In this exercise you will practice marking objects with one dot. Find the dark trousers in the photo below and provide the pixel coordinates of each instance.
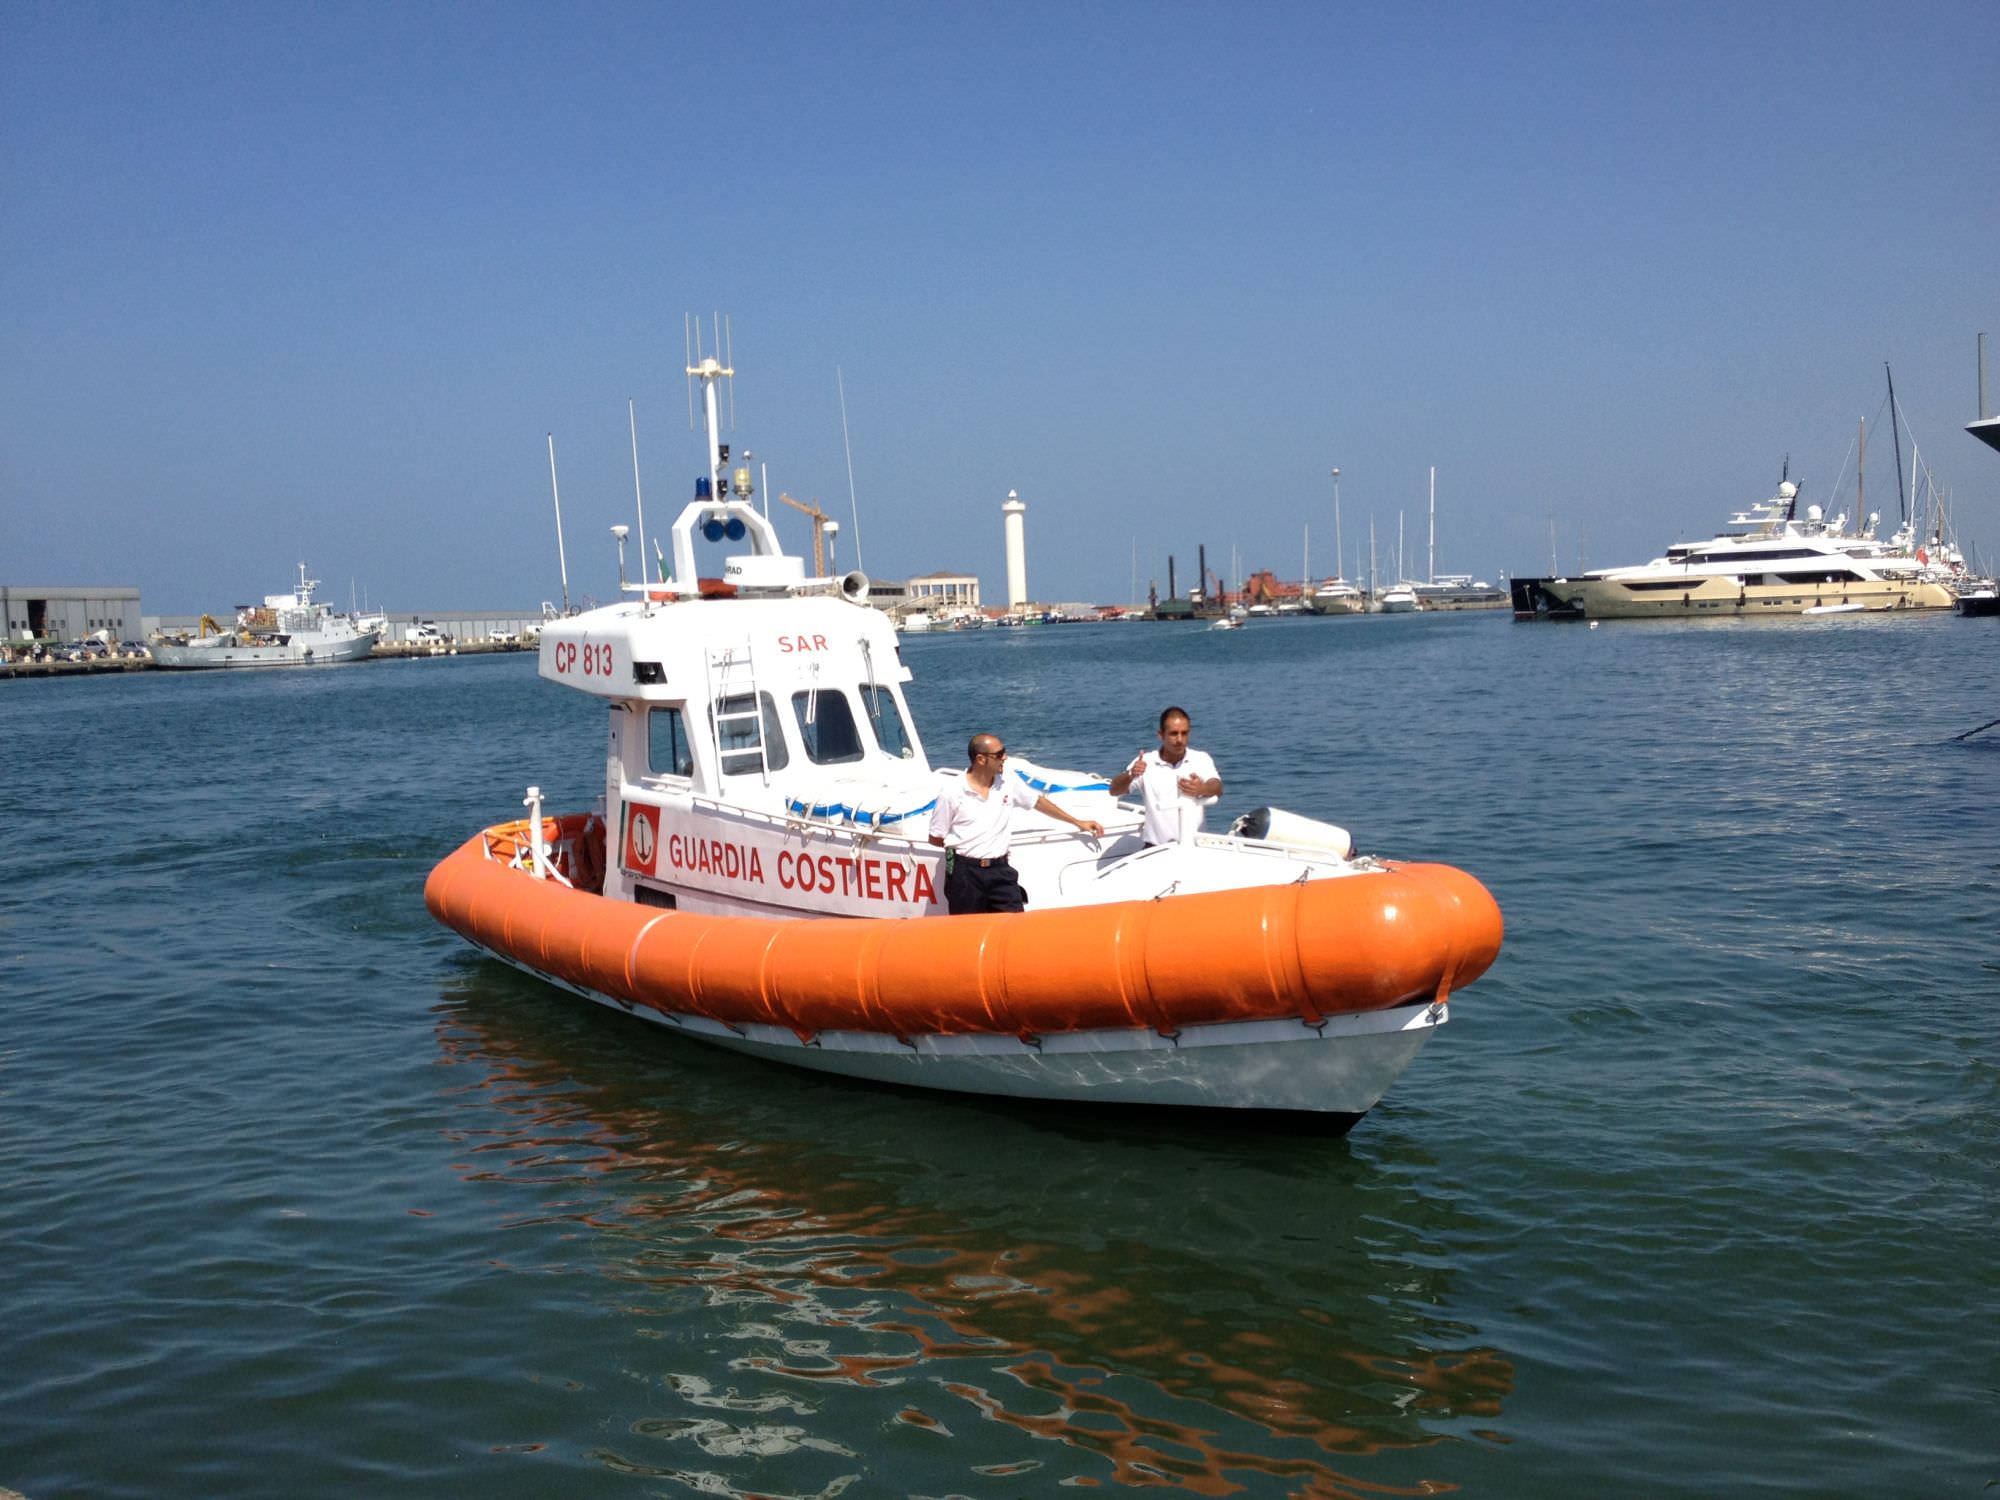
(971, 887)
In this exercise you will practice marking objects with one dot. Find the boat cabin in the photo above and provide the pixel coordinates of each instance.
(758, 730)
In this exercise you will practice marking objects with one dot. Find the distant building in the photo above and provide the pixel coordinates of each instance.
(1265, 587)
(937, 591)
(69, 612)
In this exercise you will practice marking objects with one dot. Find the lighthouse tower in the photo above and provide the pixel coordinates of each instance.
(1016, 510)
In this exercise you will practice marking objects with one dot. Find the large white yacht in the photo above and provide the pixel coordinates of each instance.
(1769, 562)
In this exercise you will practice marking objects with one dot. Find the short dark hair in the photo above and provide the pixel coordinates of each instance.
(1174, 713)
(972, 750)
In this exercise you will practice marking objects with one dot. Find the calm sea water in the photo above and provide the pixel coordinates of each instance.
(1695, 1196)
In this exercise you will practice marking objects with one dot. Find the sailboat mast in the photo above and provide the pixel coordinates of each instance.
(1861, 481)
(1337, 562)
(1896, 436)
(1431, 564)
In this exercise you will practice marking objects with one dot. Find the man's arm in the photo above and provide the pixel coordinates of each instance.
(1122, 782)
(1088, 825)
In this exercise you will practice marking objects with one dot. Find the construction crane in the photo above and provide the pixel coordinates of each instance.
(820, 522)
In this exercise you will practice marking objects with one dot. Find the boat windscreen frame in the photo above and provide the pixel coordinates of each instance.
(739, 757)
(882, 692)
(827, 722)
(682, 764)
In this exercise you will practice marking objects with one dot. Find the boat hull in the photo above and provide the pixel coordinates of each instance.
(1312, 996)
(1338, 1071)
(318, 654)
(1713, 597)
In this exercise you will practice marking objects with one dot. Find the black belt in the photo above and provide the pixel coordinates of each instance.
(979, 864)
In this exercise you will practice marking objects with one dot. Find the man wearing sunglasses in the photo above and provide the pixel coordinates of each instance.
(972, 822)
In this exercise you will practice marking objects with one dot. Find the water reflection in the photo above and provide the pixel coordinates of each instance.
(821, 1280)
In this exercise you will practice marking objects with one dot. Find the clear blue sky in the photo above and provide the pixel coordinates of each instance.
(284, 282)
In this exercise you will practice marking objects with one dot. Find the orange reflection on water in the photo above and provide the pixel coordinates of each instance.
(1145, 1450)
(1173, 1364)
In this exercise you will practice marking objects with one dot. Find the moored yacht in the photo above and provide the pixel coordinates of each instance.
(1771, 562)
(1398, 599)
(1337, 596)
(287, 630)
(1458, 591)
(1980, 598)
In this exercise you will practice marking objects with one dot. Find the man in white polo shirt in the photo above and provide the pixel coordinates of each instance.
(973, 820)
(1173, 779)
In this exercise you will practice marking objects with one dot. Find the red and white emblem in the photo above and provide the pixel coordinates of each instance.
(642, 837)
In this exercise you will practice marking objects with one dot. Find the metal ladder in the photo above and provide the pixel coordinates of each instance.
(732, 673)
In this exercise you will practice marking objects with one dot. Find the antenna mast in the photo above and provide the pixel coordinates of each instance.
(853, 505)
(562, 561)
(688, 339)
(710, 370)
(725, 340)
(632, 415)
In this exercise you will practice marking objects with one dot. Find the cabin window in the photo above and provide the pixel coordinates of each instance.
(736, 720)
(667, 752)
(826, 725)
(886, 719)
